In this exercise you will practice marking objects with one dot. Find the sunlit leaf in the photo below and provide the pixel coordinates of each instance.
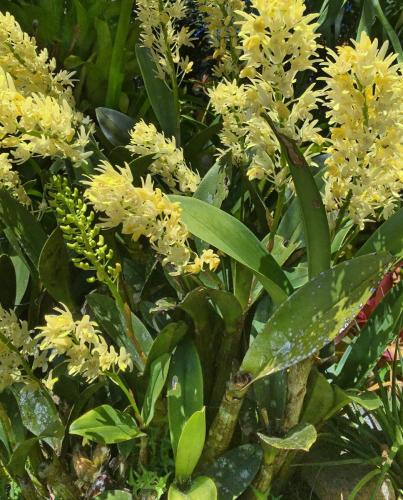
(314, 315)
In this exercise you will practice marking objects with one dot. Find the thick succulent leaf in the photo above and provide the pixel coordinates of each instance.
(291, 224)
(301, 437)
(39, 414)
(379, 331)
(202, 488)
(24, 231)
(114, 125)
(190, 445)
(316, 227)
(166, 341)
(7, 291)
(185, 388)
(54, 270)
(160, 96)
(105, 425)
(156, 381)
(235, 470)
(387, 238)
(314, 315)
(229, 235)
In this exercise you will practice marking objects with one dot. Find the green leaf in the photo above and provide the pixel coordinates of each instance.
(368, 400)
(213, 188)
(387, 238)
(314, 315)
(112, 322)
(320, 399)
(39, 413)
(229, 235)
(393, 37)
(379, 331)
(166, 341)
(190, 445)
(115, 125)
(8, 289)
(25, 232)
(316, 227)
(185, 388)
(196, 144)
(54, 270)
(156, 381)
(22, 278)
(160, 96)
(235, 470)
(202, 488)
(301, 437)
(367, 19)
(115, 495)
(20, 455)
(291, 224)
(105, 425)
(139, 167)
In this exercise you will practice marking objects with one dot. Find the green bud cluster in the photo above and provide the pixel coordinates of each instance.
(81, 233)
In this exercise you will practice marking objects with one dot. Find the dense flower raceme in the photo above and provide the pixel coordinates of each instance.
(168, 162)
(163, 36)
(32, 70)
(364, 95)
(145, 211)
(16, 345)
(277, 42)
(37, 116)
(86, 350)
(220, 16)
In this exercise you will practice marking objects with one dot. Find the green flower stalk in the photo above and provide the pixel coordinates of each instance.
(83, 235)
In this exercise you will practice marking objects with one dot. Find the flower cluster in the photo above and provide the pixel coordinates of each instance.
(37, 116)
(168, 162)
(81, 234)
(32, 71)
(87, 352)
(277, 41)
(16, 345)
(144, 211)
(220, 16)
(364, 94)
(162, 35)
(10, 180)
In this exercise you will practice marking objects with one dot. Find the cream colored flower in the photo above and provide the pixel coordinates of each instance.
(277, 41)
(168, 162)
(87, 352)
(32, 70)
(161, 34)
(141, 211)
(364, 92)
(220, 17)
(16, 345)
